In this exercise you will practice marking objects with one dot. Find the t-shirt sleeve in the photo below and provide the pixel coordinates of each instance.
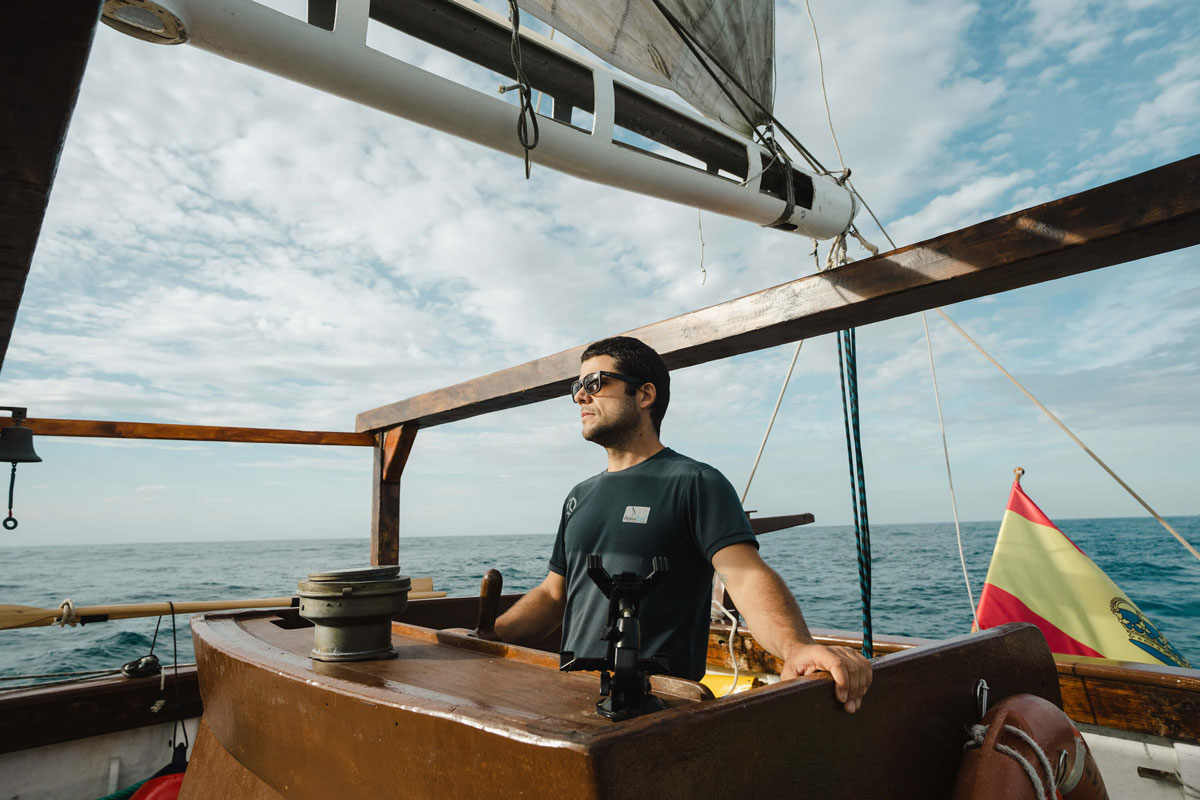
(558, 554)
(718, 519)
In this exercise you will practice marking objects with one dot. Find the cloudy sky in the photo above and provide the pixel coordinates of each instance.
(225, 247)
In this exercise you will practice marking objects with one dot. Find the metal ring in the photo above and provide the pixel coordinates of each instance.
(10, 523)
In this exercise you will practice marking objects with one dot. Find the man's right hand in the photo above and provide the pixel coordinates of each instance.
(851, 671)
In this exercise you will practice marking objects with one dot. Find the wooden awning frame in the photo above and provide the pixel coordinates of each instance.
(1144, 215)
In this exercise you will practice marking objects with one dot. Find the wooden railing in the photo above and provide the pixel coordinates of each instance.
(106, 429)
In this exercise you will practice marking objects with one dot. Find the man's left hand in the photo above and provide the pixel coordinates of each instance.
(851, 671)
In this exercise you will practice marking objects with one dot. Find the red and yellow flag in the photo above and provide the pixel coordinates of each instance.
(1038, 575)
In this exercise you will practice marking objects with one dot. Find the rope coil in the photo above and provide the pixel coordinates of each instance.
(979, 732)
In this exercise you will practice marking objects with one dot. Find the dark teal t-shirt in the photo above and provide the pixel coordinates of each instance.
(668, 505)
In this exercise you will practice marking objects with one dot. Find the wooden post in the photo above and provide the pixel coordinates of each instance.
(391, 454)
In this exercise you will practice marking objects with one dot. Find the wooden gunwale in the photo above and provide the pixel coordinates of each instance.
(1122, 695)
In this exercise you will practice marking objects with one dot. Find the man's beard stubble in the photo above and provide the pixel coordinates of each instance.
(615, 431)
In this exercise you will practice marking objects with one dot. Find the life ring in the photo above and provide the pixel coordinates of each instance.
(162, 788)
(1025, 745)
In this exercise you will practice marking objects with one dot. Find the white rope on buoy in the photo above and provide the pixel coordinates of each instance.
(67, 614)
(979, 733)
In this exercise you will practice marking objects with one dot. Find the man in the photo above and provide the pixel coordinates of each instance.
(652, 501)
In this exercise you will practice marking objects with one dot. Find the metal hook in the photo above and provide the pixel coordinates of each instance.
(981, 696)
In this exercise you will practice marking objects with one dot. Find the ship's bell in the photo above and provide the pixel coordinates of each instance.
(16, 445)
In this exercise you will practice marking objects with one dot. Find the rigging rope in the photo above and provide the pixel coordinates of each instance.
(937, 396)
(733, 625)
(1069, 433)
(527, 118)
(824, 94)
(848, 378)
(1170, 529)
(771, 422)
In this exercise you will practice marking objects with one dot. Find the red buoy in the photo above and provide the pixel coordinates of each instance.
(1004, 762)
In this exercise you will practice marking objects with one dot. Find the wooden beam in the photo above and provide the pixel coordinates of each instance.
(396, 447)
(761, 525)
(43, 51)
(1147, 214)
(106, 429)
(385, 514)
(391, 456)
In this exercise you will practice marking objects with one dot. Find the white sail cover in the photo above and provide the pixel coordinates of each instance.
(637, 37)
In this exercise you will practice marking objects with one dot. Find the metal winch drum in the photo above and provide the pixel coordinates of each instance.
(352, 611)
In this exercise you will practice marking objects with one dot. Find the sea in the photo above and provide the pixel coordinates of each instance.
(917, 581)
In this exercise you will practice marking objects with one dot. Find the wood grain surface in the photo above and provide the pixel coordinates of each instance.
(108, 429)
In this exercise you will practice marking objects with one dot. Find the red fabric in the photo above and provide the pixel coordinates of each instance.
(997, 607)
(1020, 503)
(164, 788)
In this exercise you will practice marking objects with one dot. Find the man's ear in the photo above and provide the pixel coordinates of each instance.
(647, 394)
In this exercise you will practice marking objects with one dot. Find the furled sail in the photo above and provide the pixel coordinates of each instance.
(727, 72)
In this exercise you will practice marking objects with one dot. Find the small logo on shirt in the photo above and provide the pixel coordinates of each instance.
(637, 514)
(571, 507)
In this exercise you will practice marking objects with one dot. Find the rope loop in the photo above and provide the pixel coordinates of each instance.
(527, 125)
(10, 522)
(978, 733)
(67, 615)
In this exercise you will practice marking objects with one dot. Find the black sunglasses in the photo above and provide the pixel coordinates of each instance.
(592, 383)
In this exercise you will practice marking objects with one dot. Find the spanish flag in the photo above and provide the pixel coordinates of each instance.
(1038, 575)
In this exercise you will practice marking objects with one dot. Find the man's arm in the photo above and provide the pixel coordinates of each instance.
(536, 615)
(775, 620)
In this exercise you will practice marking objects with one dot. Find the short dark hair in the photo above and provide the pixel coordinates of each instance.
(635, 357)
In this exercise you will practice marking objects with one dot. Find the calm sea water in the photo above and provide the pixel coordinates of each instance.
(917, 577)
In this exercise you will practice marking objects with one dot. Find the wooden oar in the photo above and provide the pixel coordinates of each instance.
(13, 616)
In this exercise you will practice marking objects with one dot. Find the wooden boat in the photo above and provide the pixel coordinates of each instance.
(457, 716)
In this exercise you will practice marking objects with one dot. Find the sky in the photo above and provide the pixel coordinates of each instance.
(226, 247)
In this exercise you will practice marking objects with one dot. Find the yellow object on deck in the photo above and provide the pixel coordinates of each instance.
(719, 683)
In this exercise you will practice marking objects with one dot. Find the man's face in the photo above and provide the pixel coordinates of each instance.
(610, 415)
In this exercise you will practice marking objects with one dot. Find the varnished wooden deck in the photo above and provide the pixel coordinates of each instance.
(452, 717)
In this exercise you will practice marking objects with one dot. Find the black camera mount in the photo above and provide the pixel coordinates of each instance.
(627, 692)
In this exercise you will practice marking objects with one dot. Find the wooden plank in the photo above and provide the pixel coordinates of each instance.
(1147, 214)
(761, 525)
(43, 52)
(51, 714)
(385, 511)
(397, 446)
(105, 429)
